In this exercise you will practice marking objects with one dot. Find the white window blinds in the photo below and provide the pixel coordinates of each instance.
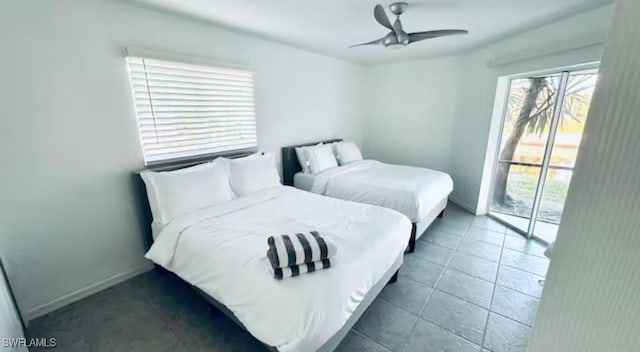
(187, 110)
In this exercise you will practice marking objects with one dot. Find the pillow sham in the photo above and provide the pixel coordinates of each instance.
(175, 193)
(347, 152)
(226, 161)
(302, 159)
(249, 175)
(320, 158)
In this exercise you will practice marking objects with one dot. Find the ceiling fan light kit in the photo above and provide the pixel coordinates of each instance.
(397, 37)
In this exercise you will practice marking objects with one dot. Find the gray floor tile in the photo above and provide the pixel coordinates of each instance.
(427, 337)
(421, 270)
(455, 210)
(433, 252)
(467, 287)
(408, 294)
(452, 224)
(506, 335)
(526, 262)
(484, 222)
(474, 266)
(386, 324)
(441, 238)
(458, 216)
(513, 233)
(520, 281)
(356, 342)
(480, 249)
(463, 318)
(493, 237)
(524, 245)
(515, 305)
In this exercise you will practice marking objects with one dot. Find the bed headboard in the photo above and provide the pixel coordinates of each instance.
(290, 164)
(140, 191)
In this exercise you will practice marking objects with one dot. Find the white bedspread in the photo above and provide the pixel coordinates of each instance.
(413, 191)
(303, 181)
(221, 250)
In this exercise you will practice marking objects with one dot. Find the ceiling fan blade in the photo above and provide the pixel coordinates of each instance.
(373, 42)
(418, 36)
(381, 16)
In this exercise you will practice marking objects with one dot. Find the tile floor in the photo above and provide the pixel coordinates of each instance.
(471, 285)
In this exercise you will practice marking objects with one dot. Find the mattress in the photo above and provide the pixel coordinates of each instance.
(412, 191)
(221, 250)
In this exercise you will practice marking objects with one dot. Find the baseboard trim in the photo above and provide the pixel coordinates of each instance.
(462, 205)
(84, 292)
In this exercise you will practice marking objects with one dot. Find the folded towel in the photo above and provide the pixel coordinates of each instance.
(296, 270)
(285, 251)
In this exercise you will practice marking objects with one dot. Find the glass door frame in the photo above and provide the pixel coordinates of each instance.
(546, 161)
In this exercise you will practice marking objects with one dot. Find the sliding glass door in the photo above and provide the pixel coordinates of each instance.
(543, 125)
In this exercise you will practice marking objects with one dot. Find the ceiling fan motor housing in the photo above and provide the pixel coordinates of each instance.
(397, 8)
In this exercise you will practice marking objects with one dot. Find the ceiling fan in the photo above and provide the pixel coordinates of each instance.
(398, 37)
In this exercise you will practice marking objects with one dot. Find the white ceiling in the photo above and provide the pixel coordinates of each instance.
(330, 26)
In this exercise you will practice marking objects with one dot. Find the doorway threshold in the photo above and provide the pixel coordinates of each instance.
(545, 232)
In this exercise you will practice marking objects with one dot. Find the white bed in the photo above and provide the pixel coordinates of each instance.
(221, 251)
(412, 191)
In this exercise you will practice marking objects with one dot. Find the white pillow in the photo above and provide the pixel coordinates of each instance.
(347, 152)
(320, 158)
(302, 159)
(226, 161)
(175, 193)
(249, 175)
(149, 178)
(335, 144)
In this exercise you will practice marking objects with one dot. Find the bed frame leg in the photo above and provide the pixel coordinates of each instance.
(412, 244)
(412, 240)
(441, 214)
(394, 278)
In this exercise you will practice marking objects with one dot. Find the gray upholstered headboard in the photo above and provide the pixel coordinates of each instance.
(290, 164)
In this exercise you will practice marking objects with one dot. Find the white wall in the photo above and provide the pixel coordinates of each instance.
(410, 111)
(68, 132)
(590, 301)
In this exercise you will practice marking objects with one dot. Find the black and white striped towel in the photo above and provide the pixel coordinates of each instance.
(296, 270)
(301, 248)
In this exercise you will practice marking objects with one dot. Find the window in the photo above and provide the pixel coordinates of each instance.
(543, 123)
(186, 110)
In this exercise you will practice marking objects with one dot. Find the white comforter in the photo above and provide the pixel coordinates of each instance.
(221, 250)
(413, 191)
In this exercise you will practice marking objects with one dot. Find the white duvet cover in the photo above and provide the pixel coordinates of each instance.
(413, 191)
(222, 251)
